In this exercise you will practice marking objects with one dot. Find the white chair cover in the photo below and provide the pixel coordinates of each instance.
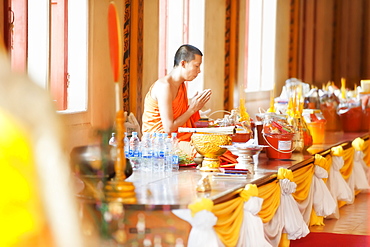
(251, 230)
(323, 201)
(337, 186)
(287, 219)
(274, 228)
(294, 224)
(202, 232)
(305, 207)
(358, 179)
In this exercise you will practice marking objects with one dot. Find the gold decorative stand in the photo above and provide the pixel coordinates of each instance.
(119, 190)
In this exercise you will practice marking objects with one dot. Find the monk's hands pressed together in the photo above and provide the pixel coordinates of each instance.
(200, 99)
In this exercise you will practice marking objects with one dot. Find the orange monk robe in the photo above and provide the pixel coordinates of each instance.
(152, 121)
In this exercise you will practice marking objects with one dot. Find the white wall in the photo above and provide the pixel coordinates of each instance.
(214, 49)
(100, 114)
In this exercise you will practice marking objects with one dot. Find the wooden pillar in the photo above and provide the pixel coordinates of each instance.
(136, 58)
(133, 57)
(231, 51)
(126, 57)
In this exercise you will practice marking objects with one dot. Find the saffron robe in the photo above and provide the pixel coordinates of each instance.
(152, 121)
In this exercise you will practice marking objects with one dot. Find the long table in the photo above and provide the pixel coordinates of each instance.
(159, 193)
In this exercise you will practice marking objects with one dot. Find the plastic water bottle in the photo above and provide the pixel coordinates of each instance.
(154, 152)
(134, 152)
(175, 151)
(160, 152)
(146, 149)
(126, 147)
(168, 152)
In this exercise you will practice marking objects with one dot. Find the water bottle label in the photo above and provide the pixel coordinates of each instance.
(175, 159)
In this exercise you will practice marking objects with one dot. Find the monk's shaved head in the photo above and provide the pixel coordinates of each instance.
(186, 53)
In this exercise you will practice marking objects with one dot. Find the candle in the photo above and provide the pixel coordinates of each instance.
(272, 100)
(343, 87)
(115, 45)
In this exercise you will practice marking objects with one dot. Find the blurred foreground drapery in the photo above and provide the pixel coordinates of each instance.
(37, 203)
(313, 199)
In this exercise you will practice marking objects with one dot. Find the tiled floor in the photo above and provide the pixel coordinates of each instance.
(354, 218)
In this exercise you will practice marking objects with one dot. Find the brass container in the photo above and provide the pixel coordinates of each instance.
(208, 145)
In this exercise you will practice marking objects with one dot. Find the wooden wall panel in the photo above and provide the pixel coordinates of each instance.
(365, 69)
(323, 43)
(306, 71)
(353, 31)
(294, 38)
(333, 41)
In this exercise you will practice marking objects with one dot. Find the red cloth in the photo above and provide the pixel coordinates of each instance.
(152, 121)
(228, 158)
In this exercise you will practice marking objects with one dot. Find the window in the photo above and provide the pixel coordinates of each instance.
(260, 51)
(56, 48)
(181, 22)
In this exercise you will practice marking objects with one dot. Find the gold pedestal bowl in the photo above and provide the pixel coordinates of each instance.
(209, 145)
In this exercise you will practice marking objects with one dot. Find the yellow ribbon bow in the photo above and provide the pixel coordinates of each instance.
(337, 151)
(358, 144)
(249, 190)
(201, 204)
(321, 161)
(285, 173)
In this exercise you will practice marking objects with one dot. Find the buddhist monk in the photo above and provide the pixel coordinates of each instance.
(166, 105)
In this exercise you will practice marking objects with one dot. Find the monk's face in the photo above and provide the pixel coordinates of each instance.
(192, 69)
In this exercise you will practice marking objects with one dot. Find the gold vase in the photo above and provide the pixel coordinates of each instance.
(209, 145)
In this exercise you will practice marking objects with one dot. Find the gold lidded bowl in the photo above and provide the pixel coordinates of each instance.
(209, 145)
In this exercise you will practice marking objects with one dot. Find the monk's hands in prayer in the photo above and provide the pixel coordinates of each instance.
(200, 99)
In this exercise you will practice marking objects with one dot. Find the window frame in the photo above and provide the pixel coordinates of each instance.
(44, 53)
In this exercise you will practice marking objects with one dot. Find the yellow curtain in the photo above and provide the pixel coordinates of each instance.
(347, 155)
(367, 152)
(303, 179)
(230, 216)
(271, 200)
